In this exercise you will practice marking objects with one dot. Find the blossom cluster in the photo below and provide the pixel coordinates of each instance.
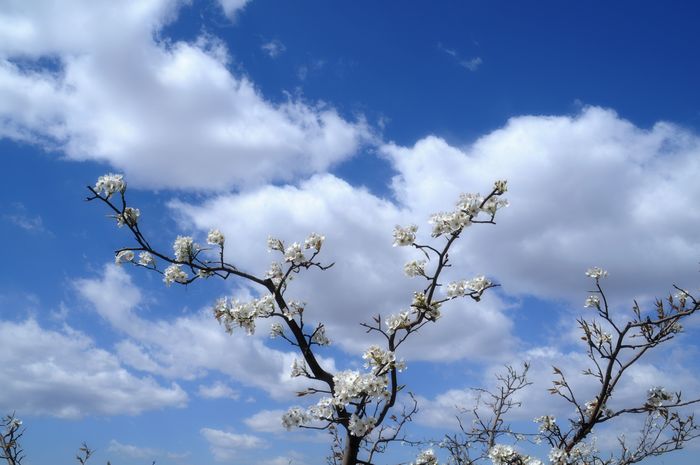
(215, 237)
(405, 236)
(360, 426)
(426, 457)
(596, 273)
(464, 287)
(351, 384)
(295, 252)
(174, 274)
(505, 455)
(130, 217)
(414, 268)
(184, 248)
(547, 423)
(420, 304)
(397, 321)
(109, 184)
(233, 313)
(381, 361)
(657, 396)
(319, 336)
(124, 256)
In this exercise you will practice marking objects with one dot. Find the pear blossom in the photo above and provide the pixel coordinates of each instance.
(109, 184)
(592, 301)
(494, 204)
(350, 384)
(275, 273)
(426, 457)
(500, 186)
(274, 244)
(596, 273)
(558, 456)
(294, 417)
(361, 426)
(293, 254)
(130, 217)
(502, 455)
(470, 203)
(319, 336)
(314, 241)
(124, 256)
(657, 396)
(174, 274)
(276, 330)
(204, 274)
(243, 314)
(464, 287)
(546, 422)
(414, 268)
(146, 259)
(448, 223)
(381, 361)
(215, 237)
(397, 321)
(184, 248)
(298, 369)
(323, 410)
(405, 236)
(420, 303)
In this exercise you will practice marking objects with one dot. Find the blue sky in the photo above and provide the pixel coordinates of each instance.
(284, 118)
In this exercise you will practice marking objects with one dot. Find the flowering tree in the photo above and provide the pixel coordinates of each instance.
(10, 433)
(359, 404)
(612, 347)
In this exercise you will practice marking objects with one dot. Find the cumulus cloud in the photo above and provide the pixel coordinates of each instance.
(189, 346)
(116, 92)
(266, 421)
(367, 277)
(218, 390)
(590, 189)
(273, 48)
(232, 7)
(62, 373)
(226, 446)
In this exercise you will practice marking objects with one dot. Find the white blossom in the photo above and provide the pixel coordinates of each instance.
(448, 223)
(464, 287)
(298, 368)
(319, 336)
(294, 417)
(656, 396)
(558, 456)
(492, 205)
(361, 426)
(405, 236)
(274, 244)
(592, 301)
(109, 184)
(470, 203)
(243, 314)
(323, 410)
(381, 361)
(184, 248)
(130, 217)
(314, 241)
(215, 237)
(174, 274)
(394, 322)
(275, 273)
(146, 259)
(414, 268)
(546, 422)
(124, 256)
(596, 273)
(420, 303)
(500, 186)
(350, 384)
(276, 330)
(426, 457)
(293, 254)
(502, 455)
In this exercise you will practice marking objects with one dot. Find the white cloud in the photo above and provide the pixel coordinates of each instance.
(188, 346)
(62, 373)
(367, 278)
(149, 106)
(273, 48)
(218, 390)
(471, 64)
(266, 421)
(592, 189)
(129, 450)
(232, 7)
(225, 446)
